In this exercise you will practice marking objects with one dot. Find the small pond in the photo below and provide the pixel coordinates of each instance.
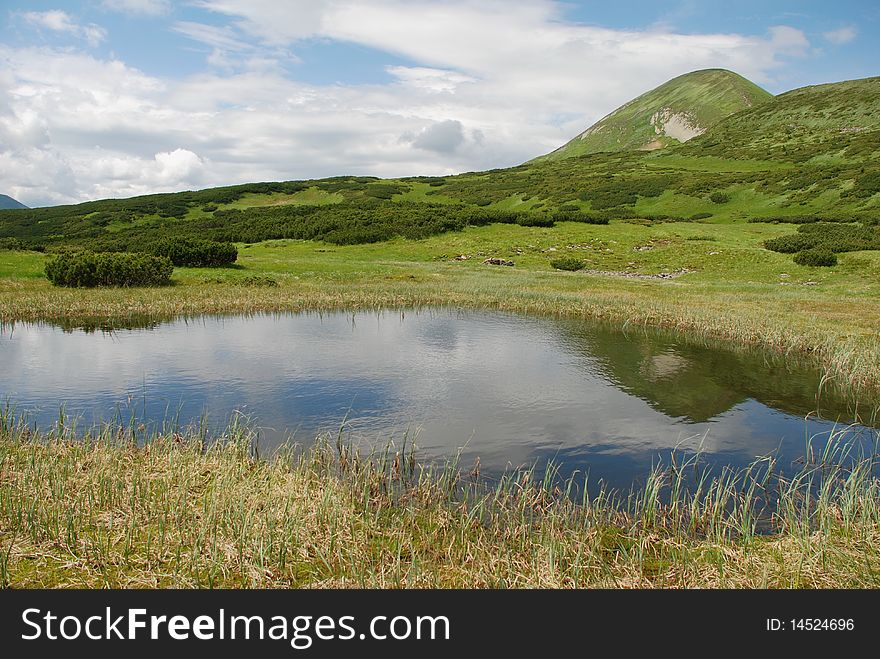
(513, 390)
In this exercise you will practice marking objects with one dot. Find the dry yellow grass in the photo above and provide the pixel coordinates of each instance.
(176, 512)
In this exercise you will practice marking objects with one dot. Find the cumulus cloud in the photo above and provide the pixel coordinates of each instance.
(463, 98)
(143, 7)
(841, 36)
(60, 21)
(442, 137)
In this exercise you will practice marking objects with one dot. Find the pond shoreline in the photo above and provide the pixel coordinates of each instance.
(848, 354)
(176, 512)
(505, 388)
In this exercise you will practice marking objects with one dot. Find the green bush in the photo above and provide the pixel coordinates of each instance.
(569, 263)
(88, 269)
(832, 237)
(719, 197)
(385, 190)
(866, 185)
(579, 216)
(13, 244)
(257, 280)
(789, 244)
(194, 253)
(816, 257)
(535, 220)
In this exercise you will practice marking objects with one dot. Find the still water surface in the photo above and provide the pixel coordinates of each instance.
(513, 390)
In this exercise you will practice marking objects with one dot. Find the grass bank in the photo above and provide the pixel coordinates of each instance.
(115, 508)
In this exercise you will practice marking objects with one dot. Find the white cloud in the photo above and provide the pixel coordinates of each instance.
(487, 84)
(841, 36)
(275, 22)
(223, 38)
(60, 21)
(435, 80)
(789, 40)
(142, 7)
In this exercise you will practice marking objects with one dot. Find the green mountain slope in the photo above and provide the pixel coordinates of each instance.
(674, 112)
(812, 152)
(7, 202)
(837, 122)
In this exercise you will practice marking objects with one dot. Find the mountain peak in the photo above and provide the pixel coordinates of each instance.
(7, 202)
(674, 112)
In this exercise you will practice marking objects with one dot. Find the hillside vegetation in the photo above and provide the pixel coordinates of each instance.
(674, 112)
(808, 153)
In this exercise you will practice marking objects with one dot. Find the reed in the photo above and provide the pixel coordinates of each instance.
(119, 506)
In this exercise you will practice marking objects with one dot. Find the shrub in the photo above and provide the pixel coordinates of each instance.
(384, 190)
(866, 185)
(789, 244)
(257, 280)
(194, 253)
(569, 263)
(87, 269)
(700, 216)
(13, 244)
(579, 216)
(816, 257)
(832, 237)
(535, 220)
(719, 197)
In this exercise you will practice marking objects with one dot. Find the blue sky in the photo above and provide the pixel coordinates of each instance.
(106, 98)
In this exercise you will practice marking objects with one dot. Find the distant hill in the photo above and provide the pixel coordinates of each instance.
(829, 124)
(7, 202)
(674, 112)
(807, 154)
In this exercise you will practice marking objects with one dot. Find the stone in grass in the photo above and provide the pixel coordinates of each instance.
(496, 261)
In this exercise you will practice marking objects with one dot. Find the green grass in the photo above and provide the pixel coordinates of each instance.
(114, 507)
(311, 197)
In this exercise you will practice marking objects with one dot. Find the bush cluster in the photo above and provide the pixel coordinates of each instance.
(832, 237)
(12, 244)
(88, 269)
(193, 253)
(580, 216)
(816, 257)
(569, 263)
(866, 185)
